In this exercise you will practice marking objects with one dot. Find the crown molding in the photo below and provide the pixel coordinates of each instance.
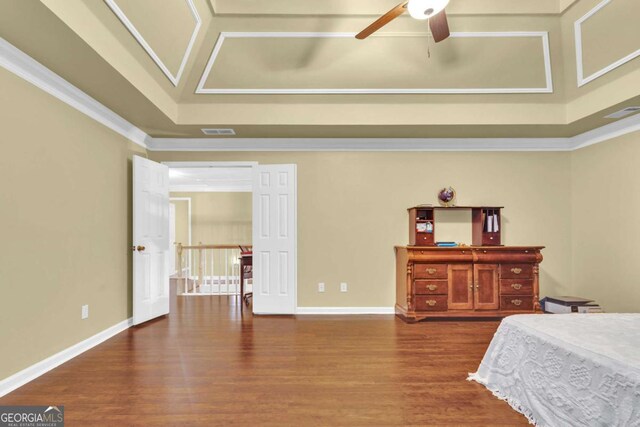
(605, 133)
(22, 65)
(174, 79)
(359, 144)
(595, 136)
(582, 80)
(544, 37)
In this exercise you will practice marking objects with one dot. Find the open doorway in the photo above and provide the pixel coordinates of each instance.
(273, 237)
(212, 225)
(255, 229)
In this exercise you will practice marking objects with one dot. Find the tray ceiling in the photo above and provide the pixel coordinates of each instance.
(286, 68)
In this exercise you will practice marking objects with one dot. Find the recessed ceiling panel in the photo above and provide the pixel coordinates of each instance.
(166, 30)
(338, 63)
(610, 34)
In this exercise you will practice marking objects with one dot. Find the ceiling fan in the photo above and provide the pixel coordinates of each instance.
(433, 10)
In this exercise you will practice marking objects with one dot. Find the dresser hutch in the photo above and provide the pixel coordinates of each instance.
(478, 281)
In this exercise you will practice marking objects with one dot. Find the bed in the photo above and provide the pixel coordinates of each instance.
(567, 369)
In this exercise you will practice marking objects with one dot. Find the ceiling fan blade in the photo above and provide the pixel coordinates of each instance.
(383, 20)
(439, 26)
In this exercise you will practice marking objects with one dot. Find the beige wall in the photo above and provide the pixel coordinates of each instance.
(182, 226)
(606, 230)
(352, 211)
(65, 210)
(218, 218)
(182, 221)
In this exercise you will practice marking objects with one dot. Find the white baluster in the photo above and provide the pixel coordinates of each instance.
(211, 258)
(200, 269)
(226, 271)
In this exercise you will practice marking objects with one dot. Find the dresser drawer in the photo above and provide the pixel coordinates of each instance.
(431, 287)
(430, 271)
(516, 287)
(431, 303)
(516, 271)
(424, 239)
(514, 302)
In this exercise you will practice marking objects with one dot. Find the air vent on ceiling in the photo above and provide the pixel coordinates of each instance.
(623, 113)
(219, 132)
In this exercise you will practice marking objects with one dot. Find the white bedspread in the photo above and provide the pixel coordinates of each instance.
(567, 369)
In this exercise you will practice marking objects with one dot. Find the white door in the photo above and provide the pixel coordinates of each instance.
(150, 240)
(274, 239)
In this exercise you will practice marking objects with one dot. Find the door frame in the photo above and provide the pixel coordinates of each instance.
(243, 164)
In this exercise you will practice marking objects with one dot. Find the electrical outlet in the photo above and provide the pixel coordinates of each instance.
(85, 311)
(320, 287)
(343, 287)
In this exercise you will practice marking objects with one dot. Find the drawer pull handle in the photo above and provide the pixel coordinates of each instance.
(516, 286)
(517, 302)
(516, 270)
(430, 302)
(431, 270)
(432, 287)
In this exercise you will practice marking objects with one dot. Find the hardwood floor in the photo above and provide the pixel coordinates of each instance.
(207, 365)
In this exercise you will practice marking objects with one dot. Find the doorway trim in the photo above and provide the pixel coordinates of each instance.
(210, 164)
(242, 164)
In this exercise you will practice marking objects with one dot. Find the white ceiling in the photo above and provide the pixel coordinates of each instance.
(210, 179)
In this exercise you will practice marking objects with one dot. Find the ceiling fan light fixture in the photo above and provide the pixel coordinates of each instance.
(425, 9)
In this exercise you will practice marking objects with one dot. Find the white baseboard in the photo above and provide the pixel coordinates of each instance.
(345, 310)
(21, 378)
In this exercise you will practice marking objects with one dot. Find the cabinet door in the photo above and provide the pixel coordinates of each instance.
(460, 287)
(486, 295)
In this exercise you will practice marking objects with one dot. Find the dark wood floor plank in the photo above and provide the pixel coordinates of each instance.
(208, 363)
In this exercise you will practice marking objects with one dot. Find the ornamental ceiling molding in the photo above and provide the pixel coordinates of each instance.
(202, 90)
(174, 79)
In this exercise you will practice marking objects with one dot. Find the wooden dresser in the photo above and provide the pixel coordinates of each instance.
(476, 281)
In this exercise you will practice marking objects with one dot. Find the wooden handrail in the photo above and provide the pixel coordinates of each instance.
(215, 246)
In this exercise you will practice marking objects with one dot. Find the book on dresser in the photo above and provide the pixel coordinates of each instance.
(484, 280)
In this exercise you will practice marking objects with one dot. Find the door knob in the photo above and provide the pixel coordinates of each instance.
(140, 248)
